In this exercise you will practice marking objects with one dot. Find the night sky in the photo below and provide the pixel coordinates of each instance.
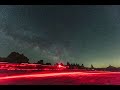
(87, 34)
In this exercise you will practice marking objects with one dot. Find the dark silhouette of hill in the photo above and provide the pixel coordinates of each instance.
(111, 68)
(15, 57)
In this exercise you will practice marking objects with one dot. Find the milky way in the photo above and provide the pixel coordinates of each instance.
(79, 34)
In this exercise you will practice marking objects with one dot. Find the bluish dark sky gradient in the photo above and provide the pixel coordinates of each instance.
(88, 34)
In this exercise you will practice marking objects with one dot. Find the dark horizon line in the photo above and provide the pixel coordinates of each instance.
(59, 62)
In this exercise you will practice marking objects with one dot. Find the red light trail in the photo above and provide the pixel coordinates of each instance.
(52, 74)
(38, 75)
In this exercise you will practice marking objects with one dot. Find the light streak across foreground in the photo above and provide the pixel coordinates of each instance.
(39, 75)
(53, 74)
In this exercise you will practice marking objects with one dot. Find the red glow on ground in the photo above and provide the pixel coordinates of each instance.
(61, 78)
(38, 75)
(27, 66)
(53, 74)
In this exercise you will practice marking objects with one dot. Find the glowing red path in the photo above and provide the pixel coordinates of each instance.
(41, 75)
(63, 78)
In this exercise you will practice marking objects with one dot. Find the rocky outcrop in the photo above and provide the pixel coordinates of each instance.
(15, 57)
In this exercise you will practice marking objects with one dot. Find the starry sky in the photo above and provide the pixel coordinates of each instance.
(88, 34)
